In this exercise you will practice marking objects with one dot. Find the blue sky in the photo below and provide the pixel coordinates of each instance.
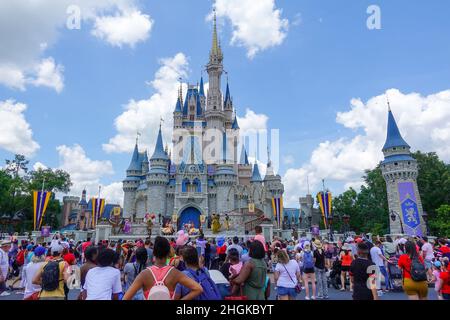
(326, 58)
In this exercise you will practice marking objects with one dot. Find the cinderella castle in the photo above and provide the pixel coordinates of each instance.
(186, 186)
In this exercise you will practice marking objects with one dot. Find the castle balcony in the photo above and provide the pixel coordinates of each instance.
(191, 196)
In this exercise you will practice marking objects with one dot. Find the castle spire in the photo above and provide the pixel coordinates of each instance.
(216, 51)
(159, 152)
(394, 137)
(202, 89)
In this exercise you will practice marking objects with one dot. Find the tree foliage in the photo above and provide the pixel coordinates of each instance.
(17, 184)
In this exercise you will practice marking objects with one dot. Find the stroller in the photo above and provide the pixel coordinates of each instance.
(395, 274)
(335, 275)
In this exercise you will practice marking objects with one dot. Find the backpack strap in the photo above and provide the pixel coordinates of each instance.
(163, 279)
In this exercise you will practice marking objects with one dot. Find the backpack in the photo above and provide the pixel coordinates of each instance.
(159, 291)
(418, 271)
(308, 261)
(210, 290)
(50, 276)
(20, 258)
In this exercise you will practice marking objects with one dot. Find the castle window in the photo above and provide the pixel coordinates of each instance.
(409, 162)
(394, 148)
(395, 163)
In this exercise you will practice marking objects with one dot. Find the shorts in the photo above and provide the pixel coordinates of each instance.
(283, 291)
(308, 270)
(345, 268)
(428, 264)
(413, 288)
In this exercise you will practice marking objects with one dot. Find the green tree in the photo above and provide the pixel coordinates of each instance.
(441, 222)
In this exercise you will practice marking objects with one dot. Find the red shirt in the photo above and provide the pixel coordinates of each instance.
(222, 249)
(445, 277)
(404, 263)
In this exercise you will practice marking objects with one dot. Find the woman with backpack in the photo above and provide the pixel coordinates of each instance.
(412, 264)
(159, 281)
(309, 276)
(287, 277)
(133, 269)
(198, 274)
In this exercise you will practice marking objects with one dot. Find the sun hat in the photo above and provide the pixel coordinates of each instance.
(39, 251)
(318, 244)
(402, 241)
(5, 243)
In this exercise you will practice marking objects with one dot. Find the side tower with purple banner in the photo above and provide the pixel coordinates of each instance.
(400, 173)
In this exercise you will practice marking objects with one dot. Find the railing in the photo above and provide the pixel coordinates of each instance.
(250, 225)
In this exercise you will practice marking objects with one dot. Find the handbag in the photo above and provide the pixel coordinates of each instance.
(298, 286)
(34, 296)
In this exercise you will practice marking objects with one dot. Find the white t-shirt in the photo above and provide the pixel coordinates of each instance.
(284, 280)
(28, 273)
(375, 253)
(427, 249)
(102, 282)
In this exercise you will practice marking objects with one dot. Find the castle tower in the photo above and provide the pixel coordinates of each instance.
(214, 114)
(131, 183)
(272, 184)
(158, 178)
(228, 109)
(244, 169)
(400, 172)
(224, 179)
(178, 113)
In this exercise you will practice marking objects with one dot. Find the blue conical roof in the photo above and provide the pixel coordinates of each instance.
(244, 158)
(235, 124)
(227, 94)
(178, 106)
(159, 148)
(135, 164)
(202, 89)
(256, 177)
(394, 138)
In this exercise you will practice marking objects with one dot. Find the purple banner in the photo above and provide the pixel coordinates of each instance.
(315, 230)
(410, 210)
(45, 231)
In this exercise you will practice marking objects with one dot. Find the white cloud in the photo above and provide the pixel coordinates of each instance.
(126, 28)
(49, 75)
(29, 28)
(424, 122)
(144, 115)
(16, 135)
(252, 122)
(257, 25)
(39, 166)
(12, 77)
(87, 173)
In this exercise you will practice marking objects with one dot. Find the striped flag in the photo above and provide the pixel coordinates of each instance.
(324, 200)
(277, 205)
(98, 206)
(40, 202)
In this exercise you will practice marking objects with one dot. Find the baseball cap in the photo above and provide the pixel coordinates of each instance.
(57, 248)
(39, 251)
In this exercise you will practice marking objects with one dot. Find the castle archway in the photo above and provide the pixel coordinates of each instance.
(189, 215)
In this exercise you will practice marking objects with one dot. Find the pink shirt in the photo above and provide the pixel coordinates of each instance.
(260, 238)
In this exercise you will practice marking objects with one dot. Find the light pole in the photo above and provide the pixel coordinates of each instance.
(395, 214)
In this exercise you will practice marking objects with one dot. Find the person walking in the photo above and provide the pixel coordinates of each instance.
(5, 245)
(320, 271)
(307, 260)
(133, 269)
(287, 277)
(415, 282)
(379, 260)
(30, 270)
(445, 280)
(346, 258)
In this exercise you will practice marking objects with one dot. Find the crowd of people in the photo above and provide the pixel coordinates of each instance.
(187, 268)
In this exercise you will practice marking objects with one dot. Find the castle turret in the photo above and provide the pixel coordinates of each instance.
(244, 169)
(131, 183)
(272, 184)
(214, 114)
(225, 178)
(400, 172)
(178, 113)
(158, 178)
(228, 109)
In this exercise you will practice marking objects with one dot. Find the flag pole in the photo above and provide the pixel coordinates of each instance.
(97, 205)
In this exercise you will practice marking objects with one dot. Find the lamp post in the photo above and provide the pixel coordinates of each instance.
(330, 227)
(395, 214)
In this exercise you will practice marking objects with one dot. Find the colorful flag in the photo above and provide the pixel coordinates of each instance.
(40, 202)
(98, 206)
(324, 200)
(277, 205)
